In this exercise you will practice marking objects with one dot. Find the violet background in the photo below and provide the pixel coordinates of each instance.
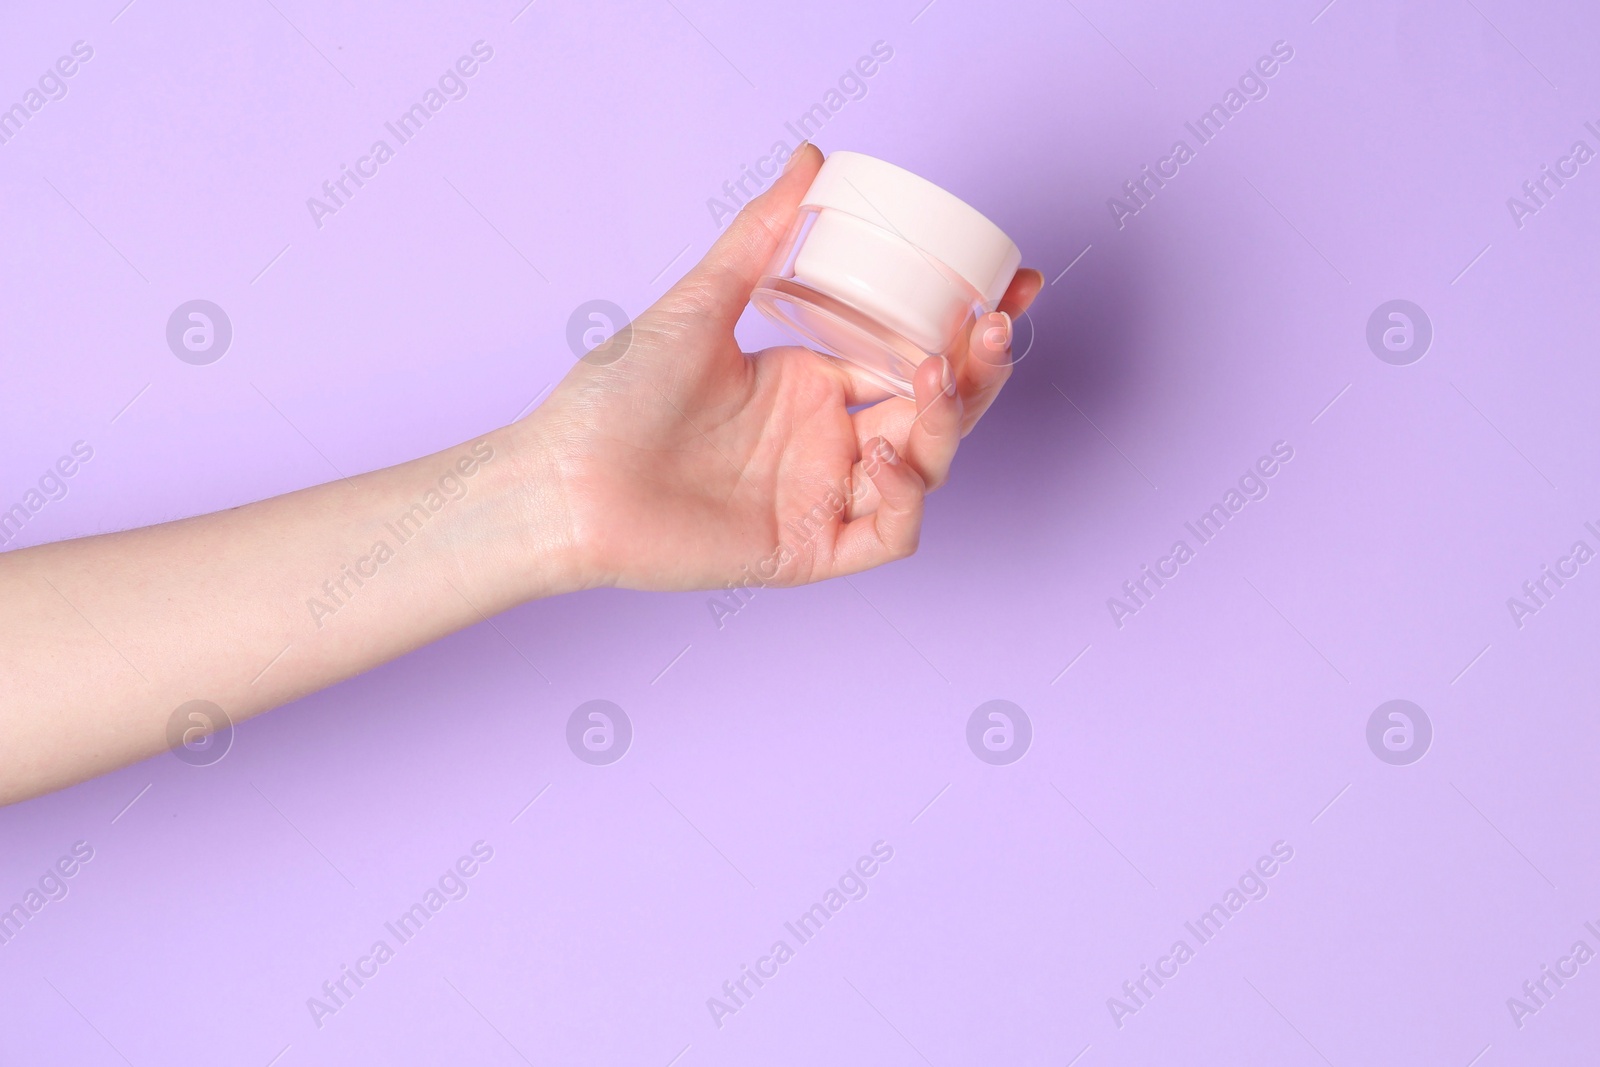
(771, 753)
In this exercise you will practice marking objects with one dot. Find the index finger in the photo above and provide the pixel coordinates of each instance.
(988, 359)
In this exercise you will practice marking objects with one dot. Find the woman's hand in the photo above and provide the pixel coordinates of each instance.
(687, 464)
(683, 464)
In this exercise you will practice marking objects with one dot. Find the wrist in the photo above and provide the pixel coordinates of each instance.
(533, 547)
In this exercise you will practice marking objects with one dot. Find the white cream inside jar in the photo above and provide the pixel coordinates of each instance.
(883, 269)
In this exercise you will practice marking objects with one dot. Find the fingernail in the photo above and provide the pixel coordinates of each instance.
(996, 334)
(801, 147)
(947, 377)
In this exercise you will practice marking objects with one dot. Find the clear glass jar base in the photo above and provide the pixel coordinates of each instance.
(834, 328)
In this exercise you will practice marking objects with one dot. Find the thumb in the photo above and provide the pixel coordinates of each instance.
(719, 286)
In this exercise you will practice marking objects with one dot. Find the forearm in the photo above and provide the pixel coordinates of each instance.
(103, 638)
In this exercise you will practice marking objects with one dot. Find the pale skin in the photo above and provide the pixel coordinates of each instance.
(677, 466)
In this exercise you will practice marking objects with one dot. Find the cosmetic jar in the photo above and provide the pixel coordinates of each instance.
(883, 269)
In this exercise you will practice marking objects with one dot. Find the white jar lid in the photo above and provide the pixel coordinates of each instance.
(947, 228)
